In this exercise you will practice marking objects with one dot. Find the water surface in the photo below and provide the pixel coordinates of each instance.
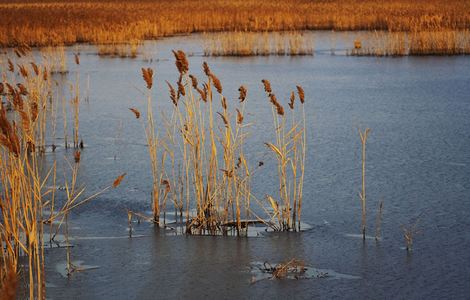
(418, 163)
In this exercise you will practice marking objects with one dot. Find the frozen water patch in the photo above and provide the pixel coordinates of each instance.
(359, 236)
(76, 266)
(92, 238)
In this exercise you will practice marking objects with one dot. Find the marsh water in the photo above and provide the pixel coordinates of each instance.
(418, 162)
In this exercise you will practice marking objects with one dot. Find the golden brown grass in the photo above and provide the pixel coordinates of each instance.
(117, 21)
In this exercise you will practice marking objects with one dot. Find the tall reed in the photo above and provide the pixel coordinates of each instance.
(290, 151)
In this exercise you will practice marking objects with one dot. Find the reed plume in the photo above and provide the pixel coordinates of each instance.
(243, 91)
(136, 112)
(147, 74)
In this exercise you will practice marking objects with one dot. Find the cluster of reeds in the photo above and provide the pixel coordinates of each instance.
(55, 59)
(257, 43)
(121, 50)
(199, 162)
(214, 187)
(27, 101)
(289, 149)
(23, 196)
(417, 42)
(42, 24)
(26, 89)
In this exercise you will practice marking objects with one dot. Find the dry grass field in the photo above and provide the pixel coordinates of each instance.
(60, 22)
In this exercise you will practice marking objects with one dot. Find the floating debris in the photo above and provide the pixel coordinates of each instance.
(293, 269)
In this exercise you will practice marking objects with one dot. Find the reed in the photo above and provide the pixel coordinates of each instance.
(410, 231)
(289, 149)
(378, 220)
(362, 194)
(75, 102)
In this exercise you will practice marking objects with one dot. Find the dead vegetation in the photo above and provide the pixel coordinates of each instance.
(410, 231)
(258, 44)
(434, 41)
(211, 185)
(293, 267)
(28, 184)
(431, 25)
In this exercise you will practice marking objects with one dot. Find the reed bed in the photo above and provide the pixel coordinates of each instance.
(23, 194)
(121, 50)
(253, 43)
(198, 159)
(67, 22)
(28, 100)
(435, 42)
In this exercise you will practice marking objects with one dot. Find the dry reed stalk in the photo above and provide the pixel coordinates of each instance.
(64, 117)
(75, 91)
(154, 144)
(410, 231)
(378, 221)
(362, 195)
